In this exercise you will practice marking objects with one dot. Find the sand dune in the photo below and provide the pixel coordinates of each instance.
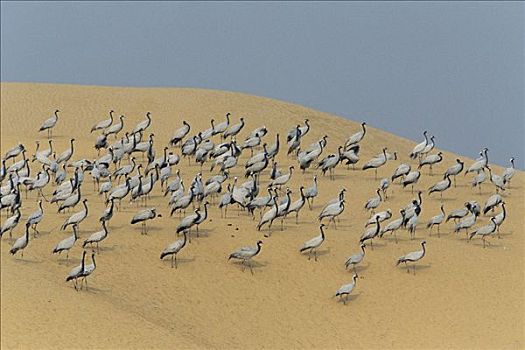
(461, 296)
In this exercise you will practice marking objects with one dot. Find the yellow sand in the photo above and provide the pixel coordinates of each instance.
(462, 295)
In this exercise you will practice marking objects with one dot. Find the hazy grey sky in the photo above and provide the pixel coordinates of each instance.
(456, 69)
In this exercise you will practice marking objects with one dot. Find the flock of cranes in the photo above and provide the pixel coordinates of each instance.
(128, 167)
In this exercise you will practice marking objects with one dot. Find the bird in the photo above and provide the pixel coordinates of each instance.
(67, 243)
(226, 200)
(189, 221)
(67, 154)
(394, 225)
(143, 125)
(492, 202)
(88, 270)
(441, 186)
(143, 216)
(411, 179)
(431, 160)
(383, 215)
(496, 180)
(509, 172)
(10, 223)
(480, 177)
(329, 163)
(375, 163)
(346, 289)
(13, 152)
(97, 237)
(269, 216)
(383, 186)
(233, 130)
(429, 147)
(35, 217)
(436, 220)
(459, 213)
(356, 259)
(21, 243)
(297, 205)
(108, 212)
(357, 137)
(501, 217)
(413, 257)
(419, 147)
(371, 233)
(174, 248)
(49, 124)
(479, 164)
(332, 211)
(245, 254)
(180, 133)
(76, 218)
(466, 223)
(283, 179)
(103, 124)
(455, 169)
(77, 271)
(116, 127)
(314, 243)
(401, 170)
(374, 202)
(485, 231)
(311, 192)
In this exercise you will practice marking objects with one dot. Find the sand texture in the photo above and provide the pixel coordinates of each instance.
(462, 295)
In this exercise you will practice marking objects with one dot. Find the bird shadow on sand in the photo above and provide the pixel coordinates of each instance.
(25, 261)
(419, 267)
(319, 253)
(68, 262)
(345, 300)
(180, 261)
(255, 265)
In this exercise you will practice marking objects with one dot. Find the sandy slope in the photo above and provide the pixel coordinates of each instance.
(462, 295)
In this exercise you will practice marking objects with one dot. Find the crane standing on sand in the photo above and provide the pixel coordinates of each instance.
(245, 254)
(49, 124)
(413, 257)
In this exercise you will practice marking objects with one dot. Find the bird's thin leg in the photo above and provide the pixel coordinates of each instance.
(414, 269)
(315, 254)
(176, 264)
(408, 268)
(251, 270)
(309, 254)
(243, 265)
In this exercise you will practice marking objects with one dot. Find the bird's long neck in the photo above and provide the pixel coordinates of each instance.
(93, 259)
(378, 226)
(364, 129)
(419, 197)
(363, 249)
(322, 232)
(504, 210)
(86, 207)
(27, 233)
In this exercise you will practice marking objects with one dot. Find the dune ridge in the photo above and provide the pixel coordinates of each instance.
(462, 295)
